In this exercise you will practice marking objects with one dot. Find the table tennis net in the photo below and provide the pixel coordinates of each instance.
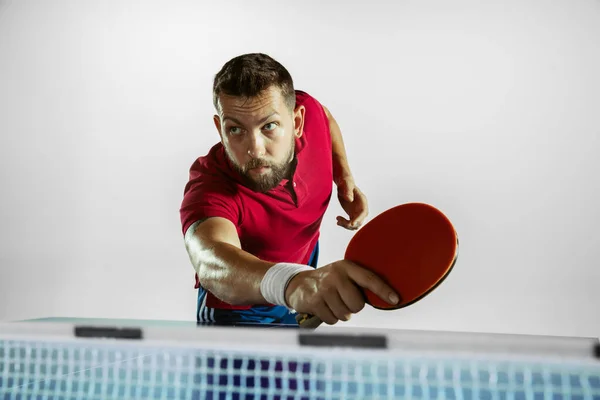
(64, 370)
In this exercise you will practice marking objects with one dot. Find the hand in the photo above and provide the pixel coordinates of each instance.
(354, 202)
(333, 293)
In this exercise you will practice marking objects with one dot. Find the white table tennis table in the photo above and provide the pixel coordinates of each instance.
(74, 358)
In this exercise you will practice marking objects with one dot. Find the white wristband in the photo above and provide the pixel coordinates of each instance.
(275, 281)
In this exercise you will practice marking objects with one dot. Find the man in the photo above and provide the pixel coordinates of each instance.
(253, 206)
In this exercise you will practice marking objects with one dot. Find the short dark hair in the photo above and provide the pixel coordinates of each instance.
(250, 74)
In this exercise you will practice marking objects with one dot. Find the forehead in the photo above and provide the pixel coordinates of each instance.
(267, 102)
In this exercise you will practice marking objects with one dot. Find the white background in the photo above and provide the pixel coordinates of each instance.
(488, 110)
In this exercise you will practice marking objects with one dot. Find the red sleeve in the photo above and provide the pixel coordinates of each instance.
(316, 124)
(208, 195)
(309, 102)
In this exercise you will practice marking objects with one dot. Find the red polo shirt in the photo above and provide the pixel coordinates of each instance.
(271, 226)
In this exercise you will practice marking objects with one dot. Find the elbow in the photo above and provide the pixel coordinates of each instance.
(234, 300)
(213, 282)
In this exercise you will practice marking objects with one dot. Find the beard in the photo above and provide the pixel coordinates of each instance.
(268, 179)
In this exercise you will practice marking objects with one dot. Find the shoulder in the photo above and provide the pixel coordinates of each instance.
(211, 176)
(308, 101)
(211, 191)
(315, 112)
(212, 168)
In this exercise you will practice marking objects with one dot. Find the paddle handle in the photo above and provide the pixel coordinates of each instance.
(308, 321)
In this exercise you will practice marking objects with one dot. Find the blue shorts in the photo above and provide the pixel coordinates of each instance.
(259, 314)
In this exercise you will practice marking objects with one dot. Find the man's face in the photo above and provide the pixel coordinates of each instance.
(259, 136)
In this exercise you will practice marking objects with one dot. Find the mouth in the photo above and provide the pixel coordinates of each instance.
(259, 170)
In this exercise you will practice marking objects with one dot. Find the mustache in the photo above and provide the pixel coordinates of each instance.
(256, 163)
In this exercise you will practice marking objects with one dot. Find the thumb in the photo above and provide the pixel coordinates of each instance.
(346, 191)
(350, 193)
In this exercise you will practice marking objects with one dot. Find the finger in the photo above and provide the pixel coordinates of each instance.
(346, 192)
(343, 196)
(369, 280)
(324, 313)
(350, 193)
(353, 297)
(343, 222)
(359, 219)
(351, 225)
(363, 211)
(337, 305)
(363, 199)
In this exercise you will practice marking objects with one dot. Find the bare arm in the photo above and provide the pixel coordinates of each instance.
(351, 198)
(223, 268)
(341, 167)
(234, 276)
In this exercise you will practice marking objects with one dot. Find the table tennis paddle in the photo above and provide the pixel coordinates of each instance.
(413, 247)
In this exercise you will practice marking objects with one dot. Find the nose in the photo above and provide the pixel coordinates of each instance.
(256, 146)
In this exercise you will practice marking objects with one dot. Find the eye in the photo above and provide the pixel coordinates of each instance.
(234, 130)
(270, 126)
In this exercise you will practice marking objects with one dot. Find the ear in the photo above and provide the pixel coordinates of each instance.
(299, 114)
(217, 121)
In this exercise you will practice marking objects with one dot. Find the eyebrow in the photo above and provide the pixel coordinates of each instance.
(263, 120)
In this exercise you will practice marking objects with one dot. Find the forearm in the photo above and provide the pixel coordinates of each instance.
(341, 167)
(229, 273)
